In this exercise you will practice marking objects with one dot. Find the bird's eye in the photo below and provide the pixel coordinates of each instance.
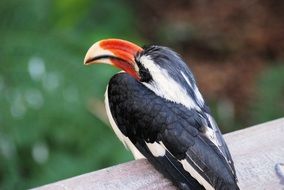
(145, 75)
(143, 72)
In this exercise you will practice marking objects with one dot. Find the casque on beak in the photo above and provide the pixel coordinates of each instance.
(116, 52)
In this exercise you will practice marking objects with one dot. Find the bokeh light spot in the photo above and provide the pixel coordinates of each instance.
(40, 152)
(36, 68)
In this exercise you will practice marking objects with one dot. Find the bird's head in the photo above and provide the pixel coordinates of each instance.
(157, 67)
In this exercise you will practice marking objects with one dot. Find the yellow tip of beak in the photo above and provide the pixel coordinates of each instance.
(96, 53)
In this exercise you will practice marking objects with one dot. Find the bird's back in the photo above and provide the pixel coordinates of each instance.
(169, 135)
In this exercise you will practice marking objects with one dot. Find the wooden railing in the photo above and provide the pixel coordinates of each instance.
(258, 153)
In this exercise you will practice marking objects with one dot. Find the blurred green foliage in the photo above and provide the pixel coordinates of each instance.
(46, 130)
(269, 104)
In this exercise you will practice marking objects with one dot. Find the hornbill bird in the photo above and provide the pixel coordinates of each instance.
(157, 111)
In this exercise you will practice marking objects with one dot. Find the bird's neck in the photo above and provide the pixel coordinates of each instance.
(166, 87)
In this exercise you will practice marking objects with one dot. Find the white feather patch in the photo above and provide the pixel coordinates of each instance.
(156, 149)
(124, 139)
(196, 175)
(186, 79)
(211, 133)
(165, 86)
(198, 96)
(196, 91)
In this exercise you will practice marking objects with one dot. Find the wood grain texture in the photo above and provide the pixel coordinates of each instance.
(134, 175)
(255, 150)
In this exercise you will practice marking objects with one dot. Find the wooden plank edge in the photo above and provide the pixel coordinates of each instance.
(139, 174)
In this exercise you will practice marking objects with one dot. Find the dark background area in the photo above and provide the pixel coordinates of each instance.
(51, 106)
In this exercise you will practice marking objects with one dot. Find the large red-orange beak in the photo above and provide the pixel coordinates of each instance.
(116, 52)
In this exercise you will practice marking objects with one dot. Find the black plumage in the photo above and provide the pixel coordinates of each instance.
(143, 116)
